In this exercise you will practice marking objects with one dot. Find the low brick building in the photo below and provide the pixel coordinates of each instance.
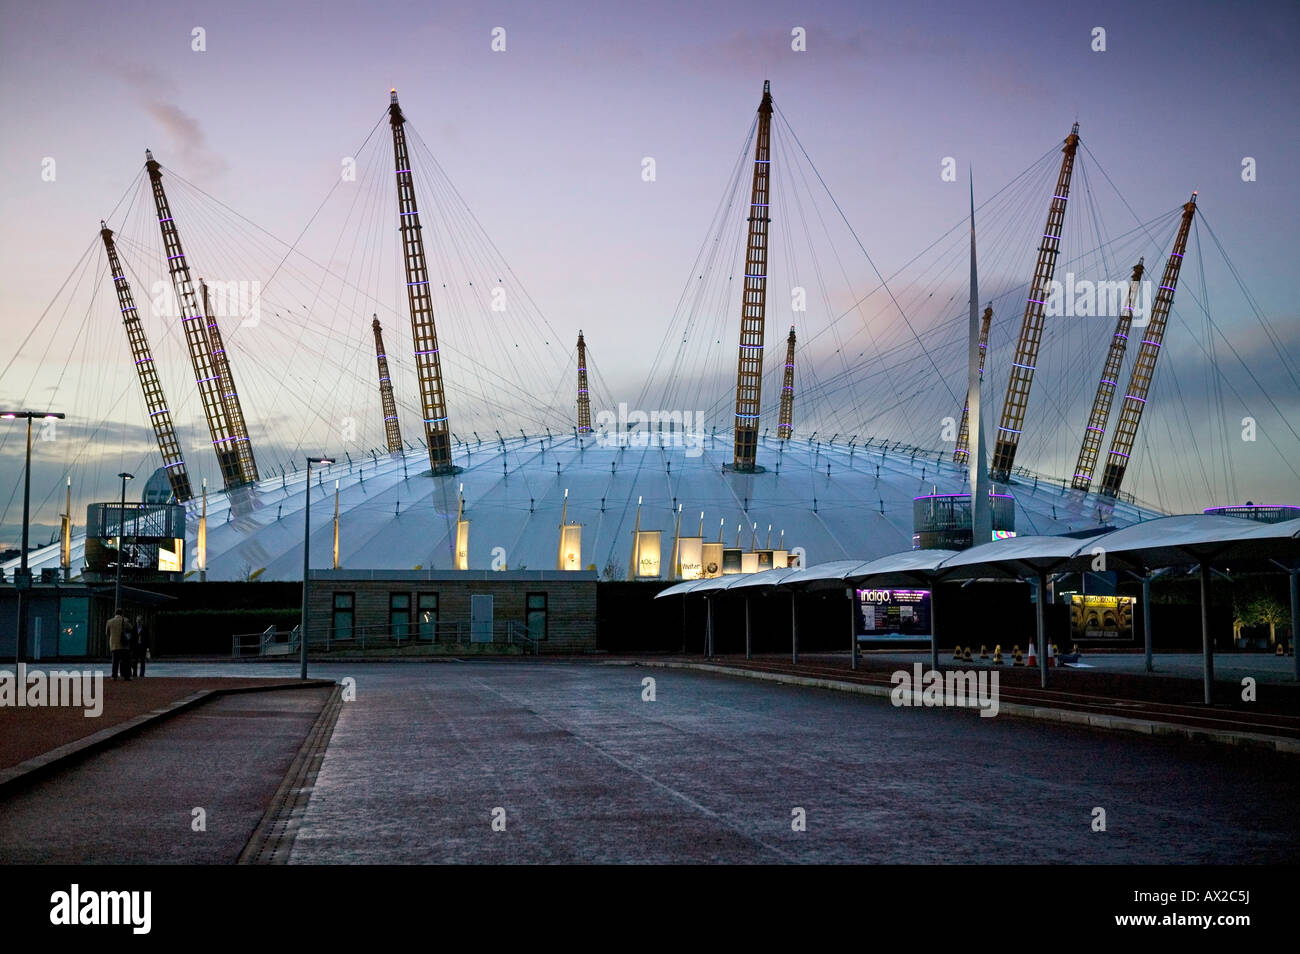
(550, 611)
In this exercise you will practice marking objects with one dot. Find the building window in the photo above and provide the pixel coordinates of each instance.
(535, 615)
(427, 615)
(399, 615)
(343, 616)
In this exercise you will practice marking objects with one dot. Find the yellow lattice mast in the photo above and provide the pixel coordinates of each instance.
(1144, 368)
(191, 317)
(424, 335)
(1031, 329)
(160, 416)
(785, 427)
(584, 395)
(749, 364)
(1095, 430)
(962, 453)
(392, 431)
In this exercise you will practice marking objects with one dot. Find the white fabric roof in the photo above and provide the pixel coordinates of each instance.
(394, 518)
(1164, 541)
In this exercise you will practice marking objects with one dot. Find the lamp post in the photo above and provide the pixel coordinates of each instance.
(121, 533)
(306, 565)
(23, 580)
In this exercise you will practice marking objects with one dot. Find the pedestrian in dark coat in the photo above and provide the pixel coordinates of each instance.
(143, 645)
(116, 629)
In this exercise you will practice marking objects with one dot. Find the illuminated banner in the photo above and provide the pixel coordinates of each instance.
(893, 614)
(780, 559)
(571, 546)
(1101, 617)
(690, 558)
(647, 554)
(171, 561)
(462, 544)
(711, 560)
(749, 563)
(730, 560)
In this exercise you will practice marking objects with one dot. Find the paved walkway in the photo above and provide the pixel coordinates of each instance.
(133, 803)
(586, 771)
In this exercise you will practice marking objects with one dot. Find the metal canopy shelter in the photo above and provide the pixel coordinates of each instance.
(1200, 540)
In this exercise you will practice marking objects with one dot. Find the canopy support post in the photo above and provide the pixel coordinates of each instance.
(1206, 646)
(1295, 617)
(1146, 617)
(794, 631)
(1042, 627)
(934, 631)
(853, 630)
(749, 654)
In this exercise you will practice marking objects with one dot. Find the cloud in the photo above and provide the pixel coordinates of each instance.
(156, 93)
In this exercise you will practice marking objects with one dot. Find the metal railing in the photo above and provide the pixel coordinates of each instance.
(452, 634)
(269, 642)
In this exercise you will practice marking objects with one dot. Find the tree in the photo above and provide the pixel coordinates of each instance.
(1270, 611)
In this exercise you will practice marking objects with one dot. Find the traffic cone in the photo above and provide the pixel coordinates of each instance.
(1280, 650)
(965, 657)
(1031, 658)
(1015, 656)
(956, 654)
(997, 655)
(984, 651)
(1075, 649)
(1051, 655)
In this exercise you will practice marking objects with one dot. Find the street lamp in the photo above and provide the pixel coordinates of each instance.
(306, 565)
(23, 579)
(121, 532)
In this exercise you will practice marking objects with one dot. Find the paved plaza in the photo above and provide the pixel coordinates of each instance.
(574, 765)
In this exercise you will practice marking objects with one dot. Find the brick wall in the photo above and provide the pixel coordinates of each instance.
(571, 601)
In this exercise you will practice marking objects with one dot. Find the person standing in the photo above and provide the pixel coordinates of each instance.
(143, 645)
(117, 630)
(128, 650)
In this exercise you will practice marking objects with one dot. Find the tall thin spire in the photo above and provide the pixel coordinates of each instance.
(749, 362)
(424, 336)
(584, 395)
(981, 511)
(392, 430)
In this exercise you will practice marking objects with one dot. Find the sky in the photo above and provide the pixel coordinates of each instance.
(546, 141)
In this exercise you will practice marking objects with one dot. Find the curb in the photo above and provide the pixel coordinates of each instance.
(272, 840)
(47, 763)
(1092, 720)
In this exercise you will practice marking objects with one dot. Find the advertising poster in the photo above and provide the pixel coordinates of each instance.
(1101, 617)
(571, 546)
(893, 614)
(690, 558)
(730, 560)
(711, 560)
(647, 554)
